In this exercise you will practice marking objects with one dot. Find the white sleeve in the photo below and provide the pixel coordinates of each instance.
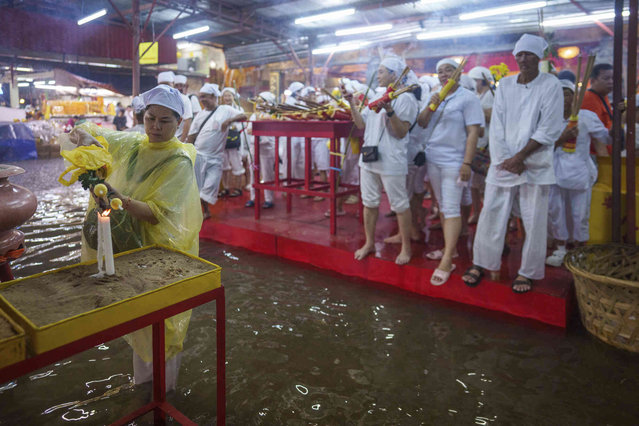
(188, 110)
(406, 107)
(551, 123)
(473, 113)
(497, 126)
(195, 104)
(596, 128)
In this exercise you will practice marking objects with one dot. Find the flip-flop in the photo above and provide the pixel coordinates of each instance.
(438, 254)
(235, 193)
(524, 281)
(327, 213)
(442, 275)
(476, 277)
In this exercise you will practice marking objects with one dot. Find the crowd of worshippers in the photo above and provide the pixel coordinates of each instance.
(487, 154)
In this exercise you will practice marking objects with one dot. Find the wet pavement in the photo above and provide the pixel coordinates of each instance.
(306, 347)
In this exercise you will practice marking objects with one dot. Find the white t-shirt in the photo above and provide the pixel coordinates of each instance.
(195, 104)
(188, 113)
(417, 140)
(392, 151)
(486, 100)
(211, 140)
(447, 128)
(576, 170)
(522, 112)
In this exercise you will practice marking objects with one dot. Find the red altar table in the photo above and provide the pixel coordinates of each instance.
(333, 130)
(159, 404)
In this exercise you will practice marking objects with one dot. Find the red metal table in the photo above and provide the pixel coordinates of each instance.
(159, 405)
(333, 130)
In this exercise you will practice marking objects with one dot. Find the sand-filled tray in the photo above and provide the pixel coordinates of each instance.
(67, 304)
(12, 341)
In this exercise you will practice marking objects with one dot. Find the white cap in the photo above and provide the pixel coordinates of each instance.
(180, 79)
(166, 77)
(449, 61)
(394, 63)
(467, 83)
(567, 84)
(165, 96)
(211, 89)
(531, 43)
(295, 86)
(268, 97)
(229, 89)
(480, 73)
(307, 91)
(138, 105)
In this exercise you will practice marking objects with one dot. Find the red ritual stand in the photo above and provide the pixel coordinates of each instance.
(159, 405)
(333, 130)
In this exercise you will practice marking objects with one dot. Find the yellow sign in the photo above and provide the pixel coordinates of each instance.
(150, 57)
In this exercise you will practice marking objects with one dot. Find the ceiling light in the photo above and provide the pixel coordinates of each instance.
(23, 84)
(24, 69)
(39, 83)
(51, 82)
(191, 32)
(325, 16)
(92, 16)
(342, 47)
(432, 35)
(362, 30)
(502, 10)
(582, 18)
(25, 79)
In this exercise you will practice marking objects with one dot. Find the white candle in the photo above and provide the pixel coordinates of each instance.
(105, 247)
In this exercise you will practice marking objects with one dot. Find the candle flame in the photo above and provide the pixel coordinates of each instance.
(106, 213)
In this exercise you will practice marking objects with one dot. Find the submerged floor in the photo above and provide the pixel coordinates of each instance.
(307, 347)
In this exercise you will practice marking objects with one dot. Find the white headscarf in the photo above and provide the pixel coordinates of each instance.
(480, 73)
(295, 87)
(165, 96)
(268, 97)
(531, 43)
(467, 83)
(449, 61)
(567, 84)
(180, 79)
(229, 89)
(394, 64)
(211, 89)
(138, 105)
(166, 77)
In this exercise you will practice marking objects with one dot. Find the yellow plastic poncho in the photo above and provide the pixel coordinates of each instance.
(161, 175)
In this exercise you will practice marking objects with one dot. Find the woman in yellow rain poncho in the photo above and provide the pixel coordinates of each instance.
(153, 175)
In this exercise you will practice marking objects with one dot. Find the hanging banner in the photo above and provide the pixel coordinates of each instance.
(150, 57)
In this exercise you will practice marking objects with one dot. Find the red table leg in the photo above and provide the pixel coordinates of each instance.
(289, 197)
(220, 317)
(308, 163)
(256, 176)
(159, 369)
(332, 176)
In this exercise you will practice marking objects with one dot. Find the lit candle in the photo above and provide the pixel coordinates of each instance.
(105, 247)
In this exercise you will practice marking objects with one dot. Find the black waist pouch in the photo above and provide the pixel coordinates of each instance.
(370, 154)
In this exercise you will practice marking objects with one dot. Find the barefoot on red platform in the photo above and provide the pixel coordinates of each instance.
(403, 258)
(364, 251)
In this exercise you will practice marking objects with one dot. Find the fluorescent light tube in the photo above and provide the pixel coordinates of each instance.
(191, 32)
(432, 35)
(23, 84)
(325, 16)
(582, 18)
(92, 16)
(362, 30)
(343, 47)
(502, 10)
(24, 69)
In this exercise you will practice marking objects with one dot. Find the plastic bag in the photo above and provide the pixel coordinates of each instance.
(86, 158)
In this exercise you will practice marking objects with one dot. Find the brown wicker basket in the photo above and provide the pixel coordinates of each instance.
(607, 286)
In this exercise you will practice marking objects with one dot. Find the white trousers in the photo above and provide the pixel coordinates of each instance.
(297, 158)
(443, 180)
(394, 185)
(569, 213)
(267, 168)
(143, 371)
(415, 180)
(350, 165)
(233, 161)
(208, 174)
(493, 223)
(320, 153)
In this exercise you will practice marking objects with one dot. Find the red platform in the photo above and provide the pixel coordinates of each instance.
(302, 236)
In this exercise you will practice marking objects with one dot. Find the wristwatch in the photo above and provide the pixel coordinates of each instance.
(389, 114)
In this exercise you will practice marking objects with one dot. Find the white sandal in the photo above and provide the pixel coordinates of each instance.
(441, 275)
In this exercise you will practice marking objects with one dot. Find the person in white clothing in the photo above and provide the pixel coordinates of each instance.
(139, 108)
(208, 133)
(319, 146)
(233, 167)
(525, 123)
(297, 143)
(387, 134)
(576, 173)
(267, 153)
(451, 137)
(168, 78)
(182, 85)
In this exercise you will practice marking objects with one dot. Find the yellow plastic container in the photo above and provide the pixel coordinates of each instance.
(50, 336)
(12, 349)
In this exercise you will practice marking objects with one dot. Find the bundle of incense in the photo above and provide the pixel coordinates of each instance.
(376, 105)
(339, 102)
(570, 146)
(454, 79)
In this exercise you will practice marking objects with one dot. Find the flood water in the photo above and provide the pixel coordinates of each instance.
(305, 347)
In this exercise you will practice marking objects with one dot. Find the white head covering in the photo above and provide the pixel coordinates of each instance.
(180, 79)
(295, 86)
(166, 77)
(307, 90)
(449, 61)
(467, 83)
(411, 78)
(165, 96)
(229, 89)
(424, 81)
(138, 105)
(268, 97)
(395, 64)
(567, 84)
(480, 73)
(211, 89)
(531, 43)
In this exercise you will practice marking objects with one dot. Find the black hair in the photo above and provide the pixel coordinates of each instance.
(140, 117)
(597, 69)
(567, 75)
(177, 116)
(418, 93)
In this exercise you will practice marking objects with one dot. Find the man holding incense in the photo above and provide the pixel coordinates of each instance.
(525, 123)
(383, 160)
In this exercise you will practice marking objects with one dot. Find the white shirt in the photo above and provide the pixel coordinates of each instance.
(211, 140)
(392, 151)
(576, 170)
(195, 104)
(522, 112)
(188, 113)
(417, 140)
(486, 100)
(446, 145)
(263, 139)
